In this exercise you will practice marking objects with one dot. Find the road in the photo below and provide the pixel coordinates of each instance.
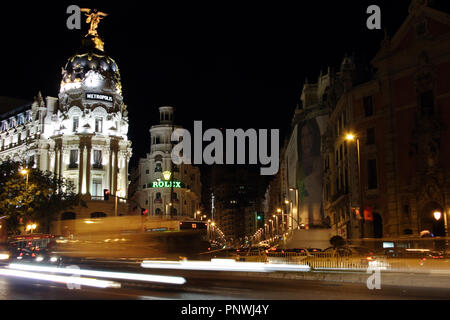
(203, 285)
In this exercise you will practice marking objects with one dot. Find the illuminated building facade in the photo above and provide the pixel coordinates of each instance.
(80, 136)
(165, 189)
(400, 119)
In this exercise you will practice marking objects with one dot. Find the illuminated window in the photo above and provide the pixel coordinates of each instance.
(97, 159)
(97, 190)
(73, 159)
(99, 125)
(75, 124)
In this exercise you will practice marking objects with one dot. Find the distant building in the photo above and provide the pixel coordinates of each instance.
(238, 195)
(400, 120)
(165, 189)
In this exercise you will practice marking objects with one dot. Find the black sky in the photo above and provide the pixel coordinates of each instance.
(230, 65)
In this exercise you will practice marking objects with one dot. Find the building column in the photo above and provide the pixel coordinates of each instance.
(88, 165)
(80, 172)
(110, 170)
(60, 161)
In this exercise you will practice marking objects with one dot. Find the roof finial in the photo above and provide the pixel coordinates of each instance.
(94, 17)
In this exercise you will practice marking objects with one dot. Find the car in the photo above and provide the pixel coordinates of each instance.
(4, 253)
(29, 252)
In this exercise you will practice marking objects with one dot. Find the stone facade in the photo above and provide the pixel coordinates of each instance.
(400, 119)
(154, 190)
(80, 136)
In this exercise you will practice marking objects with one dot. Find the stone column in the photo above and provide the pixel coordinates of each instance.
(88, 164)
(61, 156)
(114, 165)
(110, 169)
(116, 171)
(80, 171)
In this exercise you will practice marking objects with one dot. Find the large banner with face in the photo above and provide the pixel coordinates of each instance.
(309, 170)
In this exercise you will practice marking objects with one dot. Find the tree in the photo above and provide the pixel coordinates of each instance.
(37, 199)
(337, 241)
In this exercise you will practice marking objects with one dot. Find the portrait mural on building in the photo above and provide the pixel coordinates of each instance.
(309, 172)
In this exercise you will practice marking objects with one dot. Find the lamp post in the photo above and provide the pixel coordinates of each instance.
(271, 232)
(115, 202)
(276, 224)
(31, 227)
(351, 137)
(296, 203)
(25, 173)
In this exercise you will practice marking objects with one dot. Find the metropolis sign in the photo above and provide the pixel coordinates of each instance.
(97, 96)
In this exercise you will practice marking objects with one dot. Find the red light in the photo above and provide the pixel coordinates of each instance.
(33, 255)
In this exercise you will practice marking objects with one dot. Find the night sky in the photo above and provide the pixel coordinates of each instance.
(230, 65)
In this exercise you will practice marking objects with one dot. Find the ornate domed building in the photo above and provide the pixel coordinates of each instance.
(80, 136)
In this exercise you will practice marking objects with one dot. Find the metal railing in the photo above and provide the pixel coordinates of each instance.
(332, 261)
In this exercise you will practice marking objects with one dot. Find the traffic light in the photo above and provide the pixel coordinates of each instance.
(258, 216)
(144, 211)
(106, 194)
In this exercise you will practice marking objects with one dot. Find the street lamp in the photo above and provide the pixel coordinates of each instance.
(352, 137)
(25, 173)
(31, 227)
(437, 215)
(271, 233)
(115, 203)
(276, 223)
(296, 203)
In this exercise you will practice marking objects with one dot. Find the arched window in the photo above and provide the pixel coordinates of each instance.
(158, 158)
(68, 216)
(98, 215)
(158, 167)
(158, 196)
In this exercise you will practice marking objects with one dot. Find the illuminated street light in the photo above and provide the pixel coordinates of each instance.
(437, 215)
(25, 173)
(350, 137)
(31, 227)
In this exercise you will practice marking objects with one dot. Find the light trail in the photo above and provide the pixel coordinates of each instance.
(61, 279)
(102, 274)
(224, 265)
